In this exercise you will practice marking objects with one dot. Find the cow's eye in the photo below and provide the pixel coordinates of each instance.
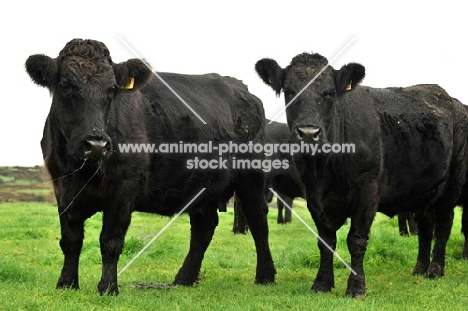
(329, 94)
(111, 91)
(65, 86)
(67, 89)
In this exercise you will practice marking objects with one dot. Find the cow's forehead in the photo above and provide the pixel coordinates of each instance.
(305, 67)
(80, 70)
(299, 76)
(90, 49)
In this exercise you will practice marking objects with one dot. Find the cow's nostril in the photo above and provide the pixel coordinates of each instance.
(308, 133)
(95, 149)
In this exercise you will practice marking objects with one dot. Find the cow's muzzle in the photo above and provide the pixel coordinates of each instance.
(96, 149)
(308, 133)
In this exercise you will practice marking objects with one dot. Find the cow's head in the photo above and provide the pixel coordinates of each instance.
(312, 108)
(84, 84)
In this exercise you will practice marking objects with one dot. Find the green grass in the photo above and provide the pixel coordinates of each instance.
(30, 263)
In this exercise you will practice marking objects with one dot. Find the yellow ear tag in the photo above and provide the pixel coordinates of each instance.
(348, 87)
(269, 80)
(129, 86)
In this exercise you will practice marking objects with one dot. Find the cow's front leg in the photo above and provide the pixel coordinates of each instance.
(71, 242)
(115, 224)
(251, 194)
(202, 230)
(325, 279)
(365, 208)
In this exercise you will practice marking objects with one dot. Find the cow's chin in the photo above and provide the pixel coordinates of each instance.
(76, 161)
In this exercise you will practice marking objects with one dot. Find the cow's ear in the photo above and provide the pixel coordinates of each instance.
(271, 73)
(132, 74)
(348, 77)
(42, 69)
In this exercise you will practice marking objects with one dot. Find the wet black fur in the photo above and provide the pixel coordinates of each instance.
(89, 101)
(411, 156)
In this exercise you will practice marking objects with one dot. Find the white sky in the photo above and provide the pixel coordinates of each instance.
(400, 43)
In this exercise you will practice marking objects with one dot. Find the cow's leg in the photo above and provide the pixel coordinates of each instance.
(443, 227)
(202, 227)
(426, 230)
(72, 229)
(366, 205)
(287, 211)
(413, 226)
(115, 224)
(325, 279)
(402, 217)
(280, 206)
(250, 191)
(465, 231)
(240, 225)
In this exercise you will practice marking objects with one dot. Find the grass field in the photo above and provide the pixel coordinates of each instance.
(31, 259)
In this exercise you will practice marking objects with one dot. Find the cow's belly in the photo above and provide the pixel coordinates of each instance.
(412, 180)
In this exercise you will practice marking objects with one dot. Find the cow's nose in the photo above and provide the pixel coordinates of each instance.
(95, 149)
(308, 133)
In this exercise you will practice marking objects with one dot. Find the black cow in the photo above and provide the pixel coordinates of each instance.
(409, 156)
(96, 106)
(286, 182)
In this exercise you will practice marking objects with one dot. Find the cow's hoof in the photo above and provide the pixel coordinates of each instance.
(356, 286)
(420, 269)
(322, 287)
(111, 289)
(265, 280)
(184, 282)
(435, 271)
(356, 292)
(62, 284)
(267, 276)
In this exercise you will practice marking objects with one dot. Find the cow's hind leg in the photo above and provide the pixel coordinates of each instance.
(402, 218)
(287, 211)
(115, 224)
(426, 230)
(202, 227)
(413, 226)
(280, 206)
(72, 230)
(465, 231)
(249, 188)
(443, 227)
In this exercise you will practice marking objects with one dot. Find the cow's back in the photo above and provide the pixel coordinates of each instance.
(224, 103)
